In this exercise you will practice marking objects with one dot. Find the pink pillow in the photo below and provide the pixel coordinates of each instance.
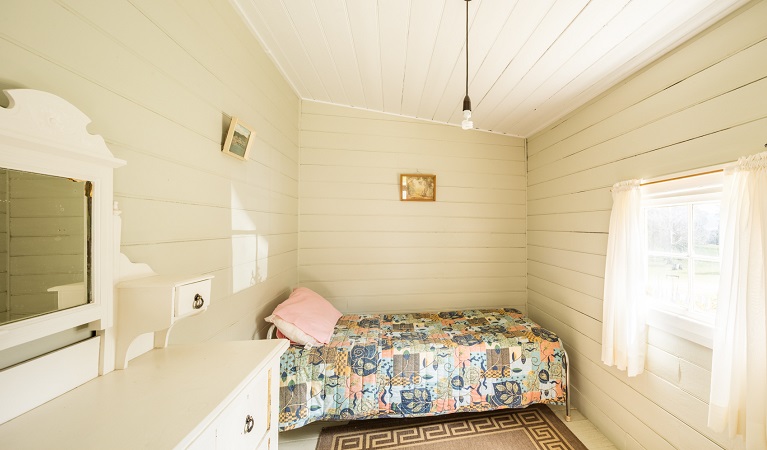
(309, 312)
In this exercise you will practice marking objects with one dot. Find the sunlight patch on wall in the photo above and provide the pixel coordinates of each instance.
(249, 249)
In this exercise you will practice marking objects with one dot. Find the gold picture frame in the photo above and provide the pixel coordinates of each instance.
(417, 187)
(239, 139)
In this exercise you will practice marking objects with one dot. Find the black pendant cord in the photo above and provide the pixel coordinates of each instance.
(467, 48)
(466, 99)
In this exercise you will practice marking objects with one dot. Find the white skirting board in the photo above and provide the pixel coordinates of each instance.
(28, 385)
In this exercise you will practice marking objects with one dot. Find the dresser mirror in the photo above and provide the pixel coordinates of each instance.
(56, 226)
(45, 235)
(58, 241)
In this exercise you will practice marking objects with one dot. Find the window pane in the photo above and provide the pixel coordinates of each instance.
(706, 229)
(667, 280)
(667, 229)
(706, 286)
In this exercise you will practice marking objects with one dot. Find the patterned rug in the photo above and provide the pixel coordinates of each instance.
(535, 427)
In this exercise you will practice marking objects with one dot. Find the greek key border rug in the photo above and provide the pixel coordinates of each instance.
(532, 428)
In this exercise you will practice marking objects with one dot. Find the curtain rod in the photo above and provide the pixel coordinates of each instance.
(682, 177)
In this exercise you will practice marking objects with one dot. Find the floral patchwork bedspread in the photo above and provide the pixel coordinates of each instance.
(397, 365)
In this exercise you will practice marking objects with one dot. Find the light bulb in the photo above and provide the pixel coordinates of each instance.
(467, 124)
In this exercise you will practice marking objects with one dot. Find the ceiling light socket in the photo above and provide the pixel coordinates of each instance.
(467, 124)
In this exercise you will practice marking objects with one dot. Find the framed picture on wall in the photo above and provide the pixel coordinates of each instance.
(418, 187)
(239, 139)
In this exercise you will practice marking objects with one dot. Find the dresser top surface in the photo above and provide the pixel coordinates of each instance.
(161, 398)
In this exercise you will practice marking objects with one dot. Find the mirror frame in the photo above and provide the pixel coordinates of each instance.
(43, 133)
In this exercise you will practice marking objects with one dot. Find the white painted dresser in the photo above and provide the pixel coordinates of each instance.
(221, 395)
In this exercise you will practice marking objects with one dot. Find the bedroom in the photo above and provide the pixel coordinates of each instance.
(516, 221)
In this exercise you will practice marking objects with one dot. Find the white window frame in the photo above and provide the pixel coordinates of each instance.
(682, 189)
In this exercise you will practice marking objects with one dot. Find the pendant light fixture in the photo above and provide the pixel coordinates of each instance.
(467, 123)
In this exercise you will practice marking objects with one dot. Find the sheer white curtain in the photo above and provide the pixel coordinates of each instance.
(739, 365)
(624, 330)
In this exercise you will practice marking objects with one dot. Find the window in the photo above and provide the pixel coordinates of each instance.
(683, 254)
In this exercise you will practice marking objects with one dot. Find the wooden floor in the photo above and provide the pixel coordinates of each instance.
(305, 438)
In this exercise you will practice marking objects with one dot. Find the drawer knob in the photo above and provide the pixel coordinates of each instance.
(198, 301)
(249, 422)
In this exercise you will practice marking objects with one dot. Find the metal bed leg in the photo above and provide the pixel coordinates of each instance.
(567, 384)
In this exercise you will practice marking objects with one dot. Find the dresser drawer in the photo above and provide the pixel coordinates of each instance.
(244, 424)
(192, 297)
(205, 441)
(266, 444)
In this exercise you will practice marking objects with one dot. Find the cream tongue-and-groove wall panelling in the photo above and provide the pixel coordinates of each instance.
(365, 250)
(158, 79)
(702, 105)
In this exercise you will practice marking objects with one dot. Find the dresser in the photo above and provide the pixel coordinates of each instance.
(221, 395)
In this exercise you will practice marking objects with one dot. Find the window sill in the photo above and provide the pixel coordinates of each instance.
(681, 326)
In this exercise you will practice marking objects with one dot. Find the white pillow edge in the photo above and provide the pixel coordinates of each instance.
(292, 332)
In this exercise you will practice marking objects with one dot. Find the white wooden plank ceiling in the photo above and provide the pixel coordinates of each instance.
(530, 61)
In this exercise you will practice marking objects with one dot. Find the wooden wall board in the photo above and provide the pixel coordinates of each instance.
(159, 80)
(709, 48)
(471, 240)
(699, 106)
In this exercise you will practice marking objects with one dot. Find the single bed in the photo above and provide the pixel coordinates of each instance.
(421, 364)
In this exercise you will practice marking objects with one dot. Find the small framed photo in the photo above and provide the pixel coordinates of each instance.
(418, 187)
(239, 139)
